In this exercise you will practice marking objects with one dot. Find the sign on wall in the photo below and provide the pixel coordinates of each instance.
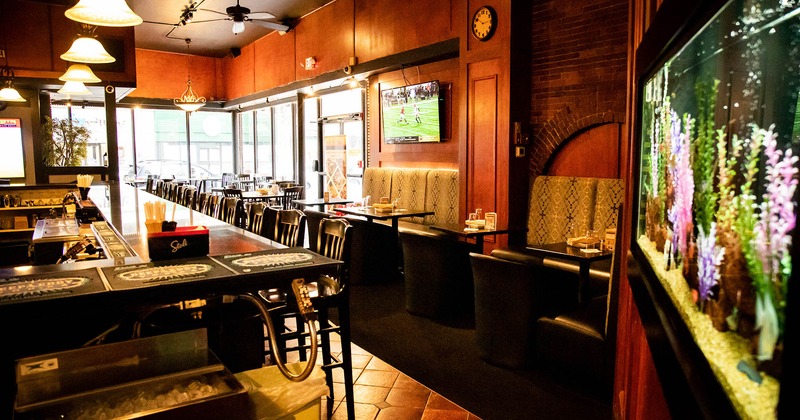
(12, 161)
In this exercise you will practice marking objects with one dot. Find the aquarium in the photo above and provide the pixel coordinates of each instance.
(717, 195)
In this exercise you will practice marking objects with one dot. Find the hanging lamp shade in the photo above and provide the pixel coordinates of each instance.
(74, 88)
(238, 27)
(86, 49)
(8, 93)
(79, 73)
(103, 13)
(189, 101)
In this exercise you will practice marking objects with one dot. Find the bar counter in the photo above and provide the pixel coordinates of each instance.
(46, 321)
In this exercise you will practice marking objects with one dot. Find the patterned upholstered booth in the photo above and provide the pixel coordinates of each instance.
(434, 190)
(559, 207)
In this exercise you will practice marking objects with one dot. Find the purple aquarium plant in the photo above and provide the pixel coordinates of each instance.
(680, 214)
(709, 257)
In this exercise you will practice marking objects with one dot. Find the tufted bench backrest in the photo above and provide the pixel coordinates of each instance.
(409, 185)
(561, 207)
(377, 183)
(442, 197)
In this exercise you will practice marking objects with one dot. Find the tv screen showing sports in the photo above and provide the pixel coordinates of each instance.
(411, 113)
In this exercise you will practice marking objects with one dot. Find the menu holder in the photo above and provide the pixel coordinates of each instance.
(183, 242)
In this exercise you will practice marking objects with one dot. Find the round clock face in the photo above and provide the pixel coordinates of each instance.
(484, 23)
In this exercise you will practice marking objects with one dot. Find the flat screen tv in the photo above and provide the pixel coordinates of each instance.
(412, 113)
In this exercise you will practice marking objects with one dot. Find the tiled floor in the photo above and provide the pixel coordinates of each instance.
(382, 392)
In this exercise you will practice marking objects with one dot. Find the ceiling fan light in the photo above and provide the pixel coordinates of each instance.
(238, 27)
(87, 50)
(74, 88)
(79, 73)
(103, 13)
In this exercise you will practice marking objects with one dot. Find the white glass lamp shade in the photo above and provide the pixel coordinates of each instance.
(74, 88)
(103, 13)
(87, 50)
(9, 94)
(79, 73)
(238, 27)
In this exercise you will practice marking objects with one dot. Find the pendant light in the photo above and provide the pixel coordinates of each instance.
(74, 88)
(103, 13)
(87, 49)
(8, 93)
(189, 101)
(79, 73)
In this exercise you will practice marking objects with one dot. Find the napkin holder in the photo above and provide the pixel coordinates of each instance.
(382, 207)
(183, 242)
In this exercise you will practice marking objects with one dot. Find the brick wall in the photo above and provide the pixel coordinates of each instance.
(578, 70)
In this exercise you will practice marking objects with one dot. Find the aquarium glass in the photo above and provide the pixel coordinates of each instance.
(718, 174)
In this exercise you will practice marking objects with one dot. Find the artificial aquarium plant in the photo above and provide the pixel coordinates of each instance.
(64, 142)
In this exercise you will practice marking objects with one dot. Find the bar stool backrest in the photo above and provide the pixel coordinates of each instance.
(255, 217)
(201, 201)
(291, 193)
(290, 228)
(212, 206)
(188, 196)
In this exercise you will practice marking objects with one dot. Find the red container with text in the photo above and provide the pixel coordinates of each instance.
(183, 242)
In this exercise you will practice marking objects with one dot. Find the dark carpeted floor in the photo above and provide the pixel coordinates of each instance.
(444, 358)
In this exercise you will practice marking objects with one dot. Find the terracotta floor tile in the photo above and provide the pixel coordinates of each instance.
(405, 381)
(400, 413)
(377, 378)
(438, 402)
(362, 412)
(429, 414)
(369, 394)
(473, 417)
(409, 397)
(338, 375)
(355, 349)
(378, 364)
(361, 360)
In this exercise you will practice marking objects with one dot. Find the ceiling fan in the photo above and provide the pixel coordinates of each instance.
(238, 14)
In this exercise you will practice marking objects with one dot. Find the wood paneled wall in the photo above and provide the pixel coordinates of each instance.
(420, 155)
(326, 35)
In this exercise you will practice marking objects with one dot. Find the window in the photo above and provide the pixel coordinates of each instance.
(94, 119)
(284, 141)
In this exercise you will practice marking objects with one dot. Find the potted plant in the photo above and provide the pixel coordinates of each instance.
(64, 142)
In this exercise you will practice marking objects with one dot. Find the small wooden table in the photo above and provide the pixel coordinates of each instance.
(371, 214)
(479, 234)
(321, 202)
(584, 259)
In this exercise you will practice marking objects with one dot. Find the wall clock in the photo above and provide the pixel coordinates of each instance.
(484, 22)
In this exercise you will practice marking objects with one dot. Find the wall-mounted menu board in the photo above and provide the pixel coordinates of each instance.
(12, 162)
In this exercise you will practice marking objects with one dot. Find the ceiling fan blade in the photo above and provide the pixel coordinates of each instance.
(213, 11)
(271, 25)
(209, 20)
(260, 15)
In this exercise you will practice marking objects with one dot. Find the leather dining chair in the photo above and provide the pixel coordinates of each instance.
(232, 211)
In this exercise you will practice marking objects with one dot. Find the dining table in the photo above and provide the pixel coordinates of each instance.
(584, 258)
(478, 234)
(257, 196)
(321, 202)
(371, 214)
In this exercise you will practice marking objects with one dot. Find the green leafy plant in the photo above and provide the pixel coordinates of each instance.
(703, 154)
(64, 142)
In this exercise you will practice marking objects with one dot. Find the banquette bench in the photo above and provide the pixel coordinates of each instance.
(519, 295)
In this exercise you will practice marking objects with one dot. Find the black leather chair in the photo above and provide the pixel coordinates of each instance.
(509, 298)
(212, 206)
(232, 211)
(582, 341)
(437, 276)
